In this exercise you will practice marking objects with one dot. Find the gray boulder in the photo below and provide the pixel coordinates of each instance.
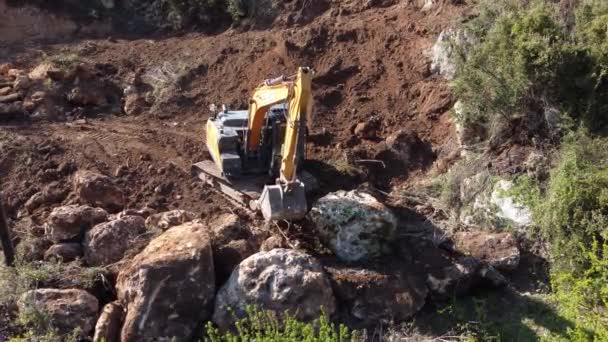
(68, 222)
(168, 288)
(168, 219)
(354, 224)
(279, 281)
(443, 53)
(98, 190)
(66, 309)
(107, 243)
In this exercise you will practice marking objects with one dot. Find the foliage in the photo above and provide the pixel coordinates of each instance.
(258, 10)
(528, 60)
(571, 212)
(262, 326)
(183, 13)
(583, 295)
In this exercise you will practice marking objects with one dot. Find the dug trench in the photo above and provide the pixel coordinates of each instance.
(96, 146)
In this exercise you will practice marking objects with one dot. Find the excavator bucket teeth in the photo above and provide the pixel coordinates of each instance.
(278, 203)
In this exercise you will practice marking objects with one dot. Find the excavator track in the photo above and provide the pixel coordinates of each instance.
(244, 192)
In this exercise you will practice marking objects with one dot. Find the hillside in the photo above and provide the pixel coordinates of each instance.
(102, 113)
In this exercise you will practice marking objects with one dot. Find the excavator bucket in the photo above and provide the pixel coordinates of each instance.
(279, 202)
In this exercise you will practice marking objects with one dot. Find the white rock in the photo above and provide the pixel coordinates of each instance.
(508, 208)
(443, 52)
(354, 224)
(281, 280)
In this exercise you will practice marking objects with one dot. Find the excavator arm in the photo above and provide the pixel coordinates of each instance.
(286, 199)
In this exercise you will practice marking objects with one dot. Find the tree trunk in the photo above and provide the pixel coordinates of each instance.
(5, 237)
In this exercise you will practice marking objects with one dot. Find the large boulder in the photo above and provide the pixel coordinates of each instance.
(68, 222)
(65, 252)
(373, 296)
(354, 224)
(499, 250)
(107, 242)
(109, 323)
(278, 281)
(165, 220)
(98, 190)
(67, 309)
(168, 288)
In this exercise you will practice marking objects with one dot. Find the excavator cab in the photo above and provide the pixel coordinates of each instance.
(256, 153)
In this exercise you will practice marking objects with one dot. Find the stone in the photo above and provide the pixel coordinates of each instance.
(4, 68)
(33, 249)
(165, 220)
(68, 222)
(470, 133)
(404, 145)
(22, 82)
(168, 288)
(56, 74)
(109, 323)
(65, 252)
(49, 195)
(67, 309)
(135, 104)
(279, 281)
(86, 96)
(5, 90)
(354, 225)
(367, 129)
(443, 53)
(13, 73)
(39, 72)
(228, 256)
(499, 250)
(273, 242)
(226, 228)
(508, 207)
(98, 190)
(106, 243)
(377, 295)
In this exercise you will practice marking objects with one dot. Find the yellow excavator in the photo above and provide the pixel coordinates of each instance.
(257, 153)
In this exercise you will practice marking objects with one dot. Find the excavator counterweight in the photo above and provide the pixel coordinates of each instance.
(257, 153)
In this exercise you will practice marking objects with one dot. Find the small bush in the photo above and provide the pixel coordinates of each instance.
(262, 11)
(263, 326)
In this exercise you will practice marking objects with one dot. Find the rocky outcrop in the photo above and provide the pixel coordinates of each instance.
(499, 250)
(67, 309)
(33, 248)
(168, 219)
(107, 243)
(68, 222)
(279, 281)
(65, 252)
(168, 288)
(443, 53)
(354, 225)
(508, 207)
(108, 325)
(98, 190)
(373, 296)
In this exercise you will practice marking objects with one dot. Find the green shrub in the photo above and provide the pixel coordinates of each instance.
(571, 213)
(258, 10)
(527, 59)
(583, 295)
(263, 326)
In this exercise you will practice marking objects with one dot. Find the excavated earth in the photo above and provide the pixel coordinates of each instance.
(373, 83)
